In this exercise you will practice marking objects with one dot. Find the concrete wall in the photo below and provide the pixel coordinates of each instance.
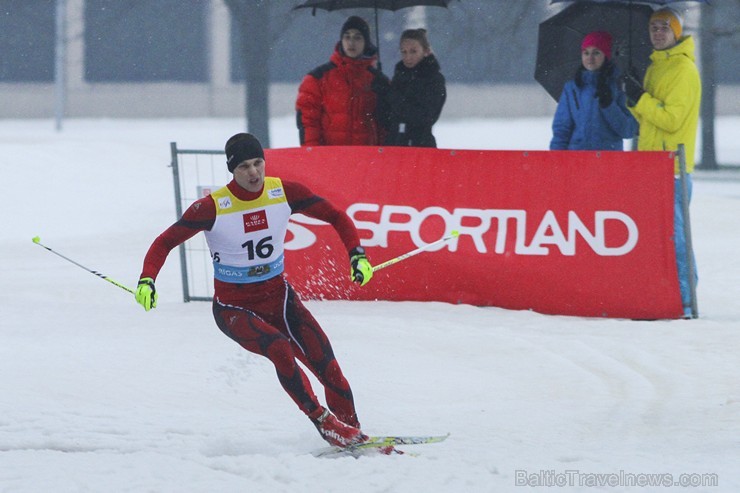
(165, 100)
(221, 98)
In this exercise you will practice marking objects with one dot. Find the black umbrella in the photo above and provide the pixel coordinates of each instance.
(654, 2)
(627, 59)
(560, 36)
(391, 5)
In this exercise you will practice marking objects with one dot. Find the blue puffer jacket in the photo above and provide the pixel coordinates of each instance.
(581, 124)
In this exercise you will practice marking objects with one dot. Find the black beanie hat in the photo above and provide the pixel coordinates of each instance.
(358, 23)
(241, 147)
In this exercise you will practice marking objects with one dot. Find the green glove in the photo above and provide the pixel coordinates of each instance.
(146, 293)
(362, 271)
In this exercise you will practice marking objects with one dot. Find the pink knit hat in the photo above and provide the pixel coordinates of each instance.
(601, 40)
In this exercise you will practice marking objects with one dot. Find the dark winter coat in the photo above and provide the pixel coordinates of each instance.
(580, 123)
(412, 104)
(335, 104)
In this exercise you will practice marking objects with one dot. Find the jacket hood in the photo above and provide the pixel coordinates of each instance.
(427, 66)
(340, 59)
(685, 47)
(589, 77)
(608, 71)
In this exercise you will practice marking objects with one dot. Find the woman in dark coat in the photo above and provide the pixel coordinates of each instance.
(411, 103)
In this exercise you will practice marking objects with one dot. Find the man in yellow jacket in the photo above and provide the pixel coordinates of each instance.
(666, 107)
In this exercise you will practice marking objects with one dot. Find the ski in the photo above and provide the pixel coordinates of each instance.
(382, 441)
(379, 444)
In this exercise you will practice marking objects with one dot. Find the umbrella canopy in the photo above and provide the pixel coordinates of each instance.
(392, 5)
(378, 4)
(653, 2)
(560, 36)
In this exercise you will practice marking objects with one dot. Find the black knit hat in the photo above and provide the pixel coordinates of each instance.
(358, 23)
(241, 147)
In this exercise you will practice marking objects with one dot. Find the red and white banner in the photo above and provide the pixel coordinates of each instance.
(574, 233)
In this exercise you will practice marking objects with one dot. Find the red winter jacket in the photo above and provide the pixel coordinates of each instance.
(335, 104)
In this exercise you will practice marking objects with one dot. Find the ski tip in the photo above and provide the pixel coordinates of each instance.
(454, 233)
(36, 239)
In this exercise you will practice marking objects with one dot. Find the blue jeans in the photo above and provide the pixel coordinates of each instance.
(680, 242)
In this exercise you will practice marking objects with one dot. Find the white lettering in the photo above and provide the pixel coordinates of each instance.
(550, 232)
(355, 209)
(485, 228)
(302, 237)
(632, 233)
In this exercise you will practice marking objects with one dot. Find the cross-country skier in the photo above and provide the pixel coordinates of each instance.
(245, 224)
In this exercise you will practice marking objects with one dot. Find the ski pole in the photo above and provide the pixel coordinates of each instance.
(37, 240)
(453, 234)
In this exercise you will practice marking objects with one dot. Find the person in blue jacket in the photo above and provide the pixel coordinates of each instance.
(592, 112)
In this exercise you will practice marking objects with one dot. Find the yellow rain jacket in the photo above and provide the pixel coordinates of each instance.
(668, 111)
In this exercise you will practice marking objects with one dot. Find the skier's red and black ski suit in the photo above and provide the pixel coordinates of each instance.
(267, 317)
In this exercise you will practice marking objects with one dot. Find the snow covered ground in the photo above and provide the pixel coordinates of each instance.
(98, 396)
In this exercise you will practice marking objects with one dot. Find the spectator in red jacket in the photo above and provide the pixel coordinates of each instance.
(335, 104)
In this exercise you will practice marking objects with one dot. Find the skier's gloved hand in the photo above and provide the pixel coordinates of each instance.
(146, 293)
(362, 271)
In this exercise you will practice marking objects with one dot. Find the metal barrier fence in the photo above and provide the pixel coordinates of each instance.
(196, 173)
